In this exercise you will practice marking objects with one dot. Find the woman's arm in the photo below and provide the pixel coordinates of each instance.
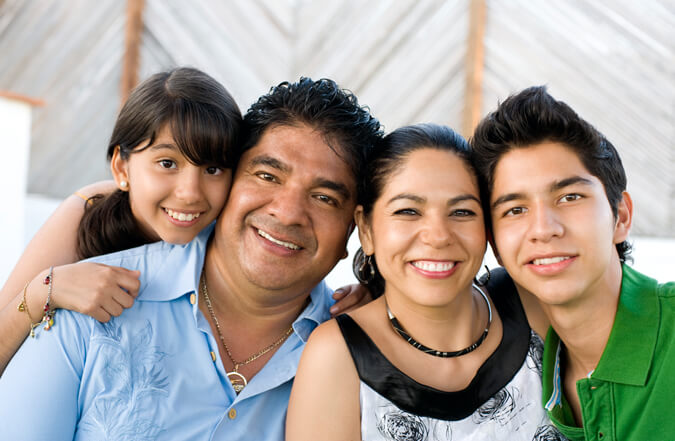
(89, 288)
(324, 401)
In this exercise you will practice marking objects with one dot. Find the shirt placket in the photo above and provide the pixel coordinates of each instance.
(597, 408)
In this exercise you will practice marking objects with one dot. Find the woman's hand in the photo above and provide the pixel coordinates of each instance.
(94, 289)
(350, 297)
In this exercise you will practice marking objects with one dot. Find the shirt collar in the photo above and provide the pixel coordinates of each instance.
(315, 313)
(171, 271)
(628, 355)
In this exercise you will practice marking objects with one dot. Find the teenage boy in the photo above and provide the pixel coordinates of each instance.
(560, 217)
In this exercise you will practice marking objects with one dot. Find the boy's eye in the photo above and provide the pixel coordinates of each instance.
(570, 197)
(167, 163)
(515, 211)
(214, 170)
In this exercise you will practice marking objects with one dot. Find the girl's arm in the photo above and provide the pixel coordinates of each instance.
(324, 401)
(89, 288)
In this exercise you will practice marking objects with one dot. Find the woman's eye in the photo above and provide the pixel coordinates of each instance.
(463, 213)
(214, 170)
(167, 163)
(406, 212)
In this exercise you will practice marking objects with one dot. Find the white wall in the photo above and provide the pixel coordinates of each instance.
(15, 118)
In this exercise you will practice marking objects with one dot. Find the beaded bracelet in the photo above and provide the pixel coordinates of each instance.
(48, 317)
(23, 307)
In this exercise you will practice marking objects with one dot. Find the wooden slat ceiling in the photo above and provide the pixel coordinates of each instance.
(612, 61)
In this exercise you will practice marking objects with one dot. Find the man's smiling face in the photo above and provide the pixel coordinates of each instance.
(288, 216)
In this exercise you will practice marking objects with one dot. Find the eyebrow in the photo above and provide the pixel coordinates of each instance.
(420, 200)
(555, 186)
(274, 163)
(163, 146)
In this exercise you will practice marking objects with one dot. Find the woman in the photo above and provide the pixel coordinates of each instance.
(435, 357)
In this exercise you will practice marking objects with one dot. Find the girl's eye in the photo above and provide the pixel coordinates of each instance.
(570, 197)
(214, 171)
(167, 163)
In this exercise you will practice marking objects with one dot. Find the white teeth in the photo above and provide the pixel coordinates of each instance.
(549, 260)
(181, 216)
(433, 266)
(292, 246)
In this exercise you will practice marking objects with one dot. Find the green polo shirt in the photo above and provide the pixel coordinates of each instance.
(631, 393)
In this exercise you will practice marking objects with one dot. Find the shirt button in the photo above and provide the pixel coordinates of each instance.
(193, 299)
(594, 387)
(213, 356)
(601, 435)
(232, 414)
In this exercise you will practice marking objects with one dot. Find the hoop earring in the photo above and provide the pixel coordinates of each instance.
(487, 279)
(365, 273)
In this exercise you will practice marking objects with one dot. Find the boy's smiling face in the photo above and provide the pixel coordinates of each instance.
(553, 226)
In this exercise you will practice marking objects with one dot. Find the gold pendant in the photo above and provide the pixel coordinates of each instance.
(21, 307)
(237, 380)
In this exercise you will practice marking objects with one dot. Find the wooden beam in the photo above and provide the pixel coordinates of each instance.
(473, 95)
(132, 44)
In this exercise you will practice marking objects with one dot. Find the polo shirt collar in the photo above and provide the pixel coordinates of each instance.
(630, 348)
(629, 353)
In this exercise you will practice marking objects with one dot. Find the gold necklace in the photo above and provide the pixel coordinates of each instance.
(238, 380)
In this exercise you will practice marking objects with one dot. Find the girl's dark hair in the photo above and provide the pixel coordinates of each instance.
(205, 122)
(388, 157)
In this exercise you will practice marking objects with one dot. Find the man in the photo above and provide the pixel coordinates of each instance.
(560, 218)
(210, 348)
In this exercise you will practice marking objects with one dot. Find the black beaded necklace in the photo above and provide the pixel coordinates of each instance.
(443, 354)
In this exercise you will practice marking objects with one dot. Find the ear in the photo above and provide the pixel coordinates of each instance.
(493, 245)
(624, 218)
(365, 235)
(120, 169)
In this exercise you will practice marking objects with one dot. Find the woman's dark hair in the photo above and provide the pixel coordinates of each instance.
(205, 123)
(386, 159)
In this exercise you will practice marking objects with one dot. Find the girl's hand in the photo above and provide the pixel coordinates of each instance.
(350, 297)
(94, 289)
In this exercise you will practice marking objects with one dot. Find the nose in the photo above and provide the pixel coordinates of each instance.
(545, 224)
(189, 186)
(437, 231)
(289, 205)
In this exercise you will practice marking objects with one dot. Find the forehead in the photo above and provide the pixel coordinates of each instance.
(301, 148)
(535, 166)
(430, 168)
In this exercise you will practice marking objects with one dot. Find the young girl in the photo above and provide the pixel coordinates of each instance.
(171, 154)
(435, 357)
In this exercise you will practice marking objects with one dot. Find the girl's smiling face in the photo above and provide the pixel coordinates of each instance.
(171, 198)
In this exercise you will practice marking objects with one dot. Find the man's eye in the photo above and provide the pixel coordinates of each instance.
(266, 176)
(167, 163)
(327, 199)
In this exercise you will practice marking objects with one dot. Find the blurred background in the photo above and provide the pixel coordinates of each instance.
(66, 66)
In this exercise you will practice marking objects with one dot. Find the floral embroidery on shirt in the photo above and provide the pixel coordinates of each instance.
(132, 377)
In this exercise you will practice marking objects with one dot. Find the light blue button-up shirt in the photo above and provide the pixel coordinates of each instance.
(148, 374)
